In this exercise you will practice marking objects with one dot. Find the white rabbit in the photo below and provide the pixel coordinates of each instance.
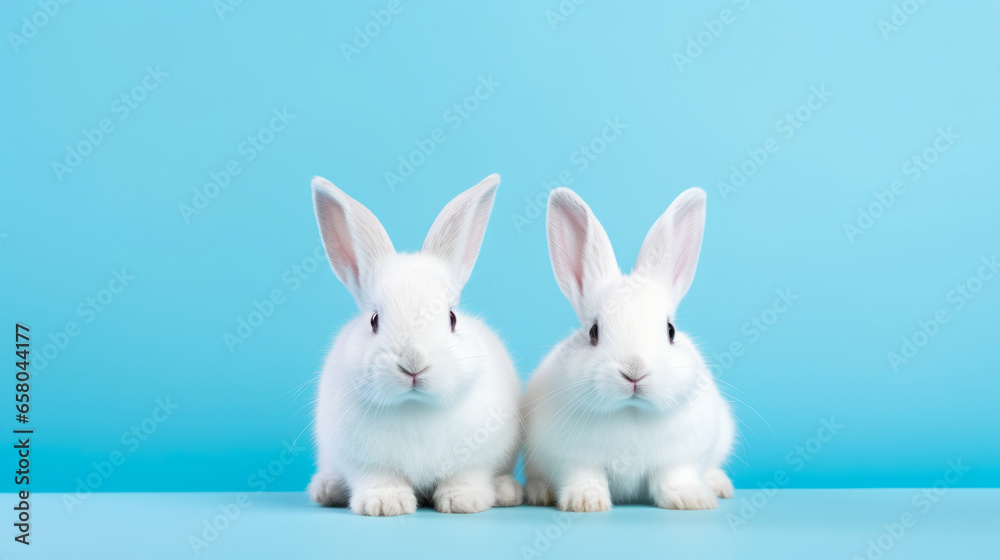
(625, 410)
(417, 401)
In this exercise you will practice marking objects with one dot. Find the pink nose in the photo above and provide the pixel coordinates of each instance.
(413, 375)
(633, 380)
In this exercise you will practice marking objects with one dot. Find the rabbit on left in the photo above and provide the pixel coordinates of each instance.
(417, 401)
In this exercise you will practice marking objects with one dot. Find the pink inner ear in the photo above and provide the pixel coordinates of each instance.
(572, 240)
(337, 238)
(457, 233)
(687, 232)
(682, 264)
(477, 230)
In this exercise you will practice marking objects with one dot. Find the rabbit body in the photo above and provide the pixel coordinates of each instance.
(625, 409)
(417, 401)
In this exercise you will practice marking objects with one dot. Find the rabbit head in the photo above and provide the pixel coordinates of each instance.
(409, 341)
(628, 351)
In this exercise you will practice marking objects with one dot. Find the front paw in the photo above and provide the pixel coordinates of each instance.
(508, 491)
(719, 483)
(384, 502)
(687, 496)
(587, 498)
(463, 498)
(327, 489)
(538, 493)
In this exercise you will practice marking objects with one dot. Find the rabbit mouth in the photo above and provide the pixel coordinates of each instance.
(637, 401)
(415, 395)
(636, 392)
(416, 387)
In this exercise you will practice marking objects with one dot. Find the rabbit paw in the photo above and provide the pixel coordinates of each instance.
(586, 498)
(538, 493)
(687, 496)
(327, 489)
(508, 491)
(461, 497)
(719, 483)
(383, 502)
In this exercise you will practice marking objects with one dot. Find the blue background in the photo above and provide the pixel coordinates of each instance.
(559, 81)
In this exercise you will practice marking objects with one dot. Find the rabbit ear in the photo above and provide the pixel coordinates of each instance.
(457, 233)
(354, 239)
(581, 253)
(671, 248)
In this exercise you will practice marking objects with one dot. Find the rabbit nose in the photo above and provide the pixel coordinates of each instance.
(634, 370)
(413, 375)
(632, 377)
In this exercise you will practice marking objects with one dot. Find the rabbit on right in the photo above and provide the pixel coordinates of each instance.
(625, 409)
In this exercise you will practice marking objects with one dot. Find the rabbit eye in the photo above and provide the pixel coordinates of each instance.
(375, 322)
(670, 331)
(593, 335)
(453, 320)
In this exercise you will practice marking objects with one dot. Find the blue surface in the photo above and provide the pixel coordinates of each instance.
(815, 524)
(556, 85)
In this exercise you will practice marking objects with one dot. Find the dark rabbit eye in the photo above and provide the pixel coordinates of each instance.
(670, 331)
(375, 322)
(593, 335)
(453, 320)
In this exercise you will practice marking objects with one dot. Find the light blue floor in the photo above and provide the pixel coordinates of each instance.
(806, 524)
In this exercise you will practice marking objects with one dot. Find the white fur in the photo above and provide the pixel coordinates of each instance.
(386, 442)
(593, 438)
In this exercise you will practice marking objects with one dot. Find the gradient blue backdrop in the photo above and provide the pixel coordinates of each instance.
(556, 84)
